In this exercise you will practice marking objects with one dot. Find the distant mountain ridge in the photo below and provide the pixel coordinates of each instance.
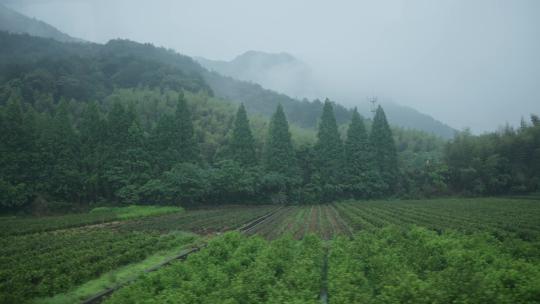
(280, 72)
(284, 73)
(14, 22)
(209, 75)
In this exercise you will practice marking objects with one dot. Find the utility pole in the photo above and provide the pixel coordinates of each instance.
(373, 101)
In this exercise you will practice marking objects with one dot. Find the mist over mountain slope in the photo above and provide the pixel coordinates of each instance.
(259, 80)
(14, 22)
(280, 72)
(286, 74)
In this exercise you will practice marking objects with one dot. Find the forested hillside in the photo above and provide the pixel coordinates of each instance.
(14, 22)
(130, 123)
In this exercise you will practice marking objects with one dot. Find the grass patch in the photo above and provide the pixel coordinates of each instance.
(120, 275)
(135, 211)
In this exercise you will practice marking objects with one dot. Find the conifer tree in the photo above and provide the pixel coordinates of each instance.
(62, 146)
(162, 139)
(92, 144)
(134, 169)
(329, 148)
(173, 140)
(91, 129)
(17, 160)
(242, 147)
(357, 161)
(384, 149)
(14, 142)
(118, 122)
(184, 143)
(279, 153)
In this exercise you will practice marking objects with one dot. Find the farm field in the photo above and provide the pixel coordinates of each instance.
(46, 264)
(346, 252)
(424, 251)
(299, 221)
(236, 269)
(24, 225)
(50, 258)
(418, 265)
(387, 265)
(499, 216)
(204, 221)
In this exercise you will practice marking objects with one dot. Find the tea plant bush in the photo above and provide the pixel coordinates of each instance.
(417, 265)
(236, 269)
(46, 264)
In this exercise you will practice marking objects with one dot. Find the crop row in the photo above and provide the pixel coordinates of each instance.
(235, 269)
(205, 221)
(500, 216)
(44, 264)
(322, 220)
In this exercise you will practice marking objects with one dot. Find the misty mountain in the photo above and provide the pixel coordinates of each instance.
(288, 75)
(147, 65)
(96, 69)
(280, 72)
(14, 22)
(409, 118)
(41, 67)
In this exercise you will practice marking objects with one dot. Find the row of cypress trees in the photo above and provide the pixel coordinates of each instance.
(362, 166)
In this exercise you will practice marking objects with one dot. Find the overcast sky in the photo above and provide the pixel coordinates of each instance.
(469, 63)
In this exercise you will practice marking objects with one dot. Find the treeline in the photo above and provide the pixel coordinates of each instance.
(503, 162)
(109, 155)
(142, 147)
(44, 70)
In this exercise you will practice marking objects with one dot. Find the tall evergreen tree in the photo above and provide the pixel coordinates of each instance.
(242, 146)
(59, 145)
(134, 169)
(279, 153)
(173, 140)
(384, 149)
(162, 137)
(357, 161)
(329, 148)
(16, 160)
(92, 145)
(14, 142)
(119, 120)
(184, 143)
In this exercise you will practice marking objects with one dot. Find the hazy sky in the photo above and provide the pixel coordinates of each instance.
(472, 63)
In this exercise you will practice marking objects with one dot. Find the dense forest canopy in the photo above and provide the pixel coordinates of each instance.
(130, 123)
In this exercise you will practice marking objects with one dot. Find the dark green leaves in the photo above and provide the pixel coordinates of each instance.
(279, 153)
(242, 146)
